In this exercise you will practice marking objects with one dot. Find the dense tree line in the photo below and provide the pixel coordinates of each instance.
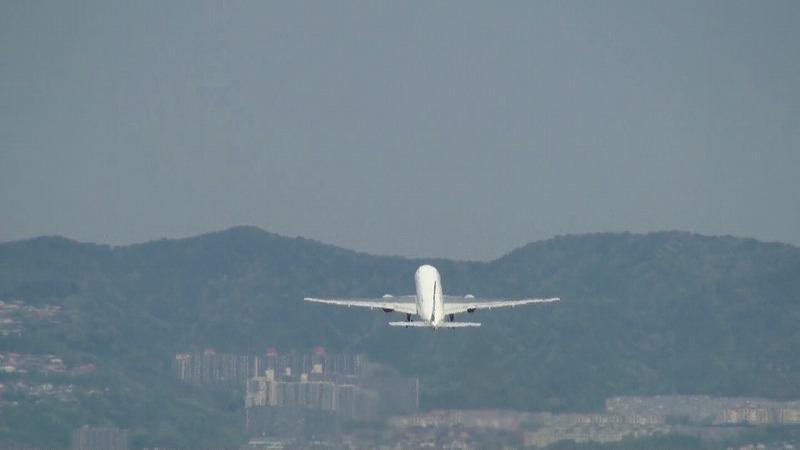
(647, 314)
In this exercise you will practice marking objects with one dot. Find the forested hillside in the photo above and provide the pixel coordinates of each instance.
(665, 312)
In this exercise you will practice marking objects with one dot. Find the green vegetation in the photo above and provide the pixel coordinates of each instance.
(641, 314)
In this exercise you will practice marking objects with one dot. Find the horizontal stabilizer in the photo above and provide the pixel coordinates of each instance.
(416, 323)
(419, 323)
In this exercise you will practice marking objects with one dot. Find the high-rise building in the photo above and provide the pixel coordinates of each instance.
(210, 367)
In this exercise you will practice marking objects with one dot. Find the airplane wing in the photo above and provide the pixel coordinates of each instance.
(406, 304)
(456, 305)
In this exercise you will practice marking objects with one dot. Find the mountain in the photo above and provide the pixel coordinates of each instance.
(666, 312)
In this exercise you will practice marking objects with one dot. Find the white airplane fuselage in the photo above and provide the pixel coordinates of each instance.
(430, 301)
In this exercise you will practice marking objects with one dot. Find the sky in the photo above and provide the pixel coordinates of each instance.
(453, 129)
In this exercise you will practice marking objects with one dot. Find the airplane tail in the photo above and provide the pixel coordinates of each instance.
(422, 324)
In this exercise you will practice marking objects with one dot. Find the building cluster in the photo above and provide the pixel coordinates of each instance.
(761, 446)
(99, 438)
(535, 429)
(711, 418)
(580, 428)
(703, 409)
(210, 367)
(452, 429)
(43, 364)
(483, 418)
(312, 391)
(29, 363)
(14, 315)
(303, 396)
(17, 386)
(11, 392)
(308, 395)
(446, 438)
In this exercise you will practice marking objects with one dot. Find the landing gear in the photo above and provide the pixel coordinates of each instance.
(452, 317)
(408, 317)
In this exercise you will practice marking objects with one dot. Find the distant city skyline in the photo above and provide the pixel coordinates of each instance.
(450, 129)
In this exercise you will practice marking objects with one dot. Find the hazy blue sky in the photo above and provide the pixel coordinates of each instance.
(457, 129)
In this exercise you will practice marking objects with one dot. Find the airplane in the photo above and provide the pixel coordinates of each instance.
(434, 309)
